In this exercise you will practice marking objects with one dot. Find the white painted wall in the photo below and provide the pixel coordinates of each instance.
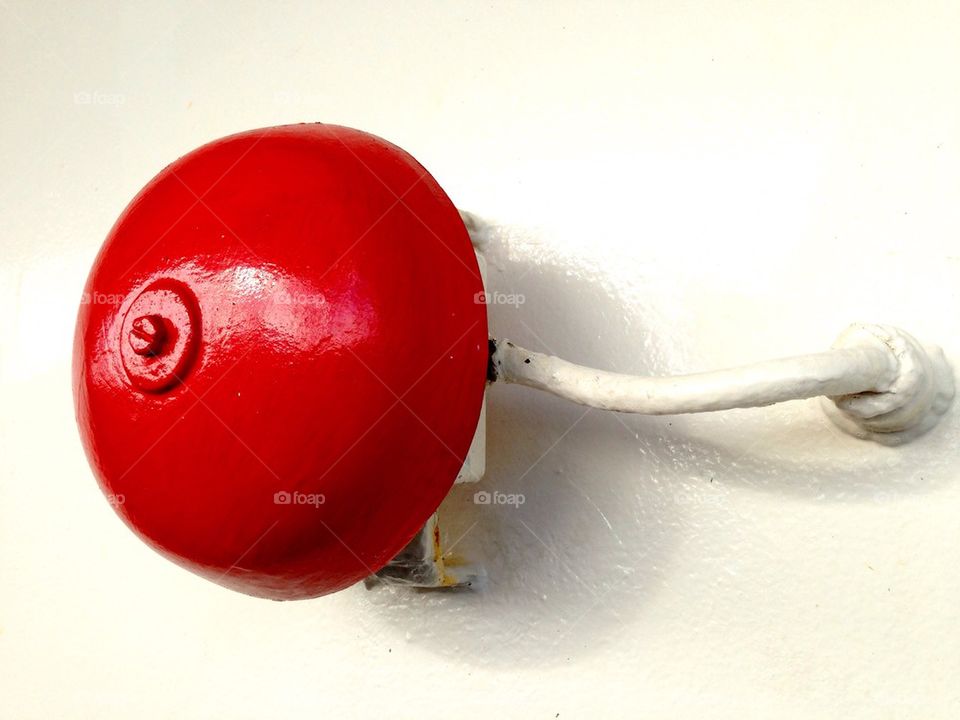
(673, 188)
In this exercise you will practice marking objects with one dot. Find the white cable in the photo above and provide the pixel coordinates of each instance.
(879, 378)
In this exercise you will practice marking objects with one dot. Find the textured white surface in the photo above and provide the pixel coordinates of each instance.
(676, 189)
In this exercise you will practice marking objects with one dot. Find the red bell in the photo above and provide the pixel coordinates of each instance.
(281, 361)
(281, 366)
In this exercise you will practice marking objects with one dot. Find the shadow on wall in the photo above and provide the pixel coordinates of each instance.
(573, 526)
(580, 510)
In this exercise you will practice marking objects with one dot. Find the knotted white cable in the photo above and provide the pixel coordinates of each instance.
(882, 383)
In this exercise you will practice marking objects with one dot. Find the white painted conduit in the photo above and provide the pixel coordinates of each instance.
(880, 383)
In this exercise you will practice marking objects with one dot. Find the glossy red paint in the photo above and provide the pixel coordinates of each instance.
(279, 361)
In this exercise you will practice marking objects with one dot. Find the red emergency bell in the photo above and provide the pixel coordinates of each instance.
(280, 358)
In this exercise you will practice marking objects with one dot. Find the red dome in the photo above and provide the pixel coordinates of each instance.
(280, 358)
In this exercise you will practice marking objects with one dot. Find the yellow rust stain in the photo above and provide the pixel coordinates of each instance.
(437, 550)
(445, 579)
